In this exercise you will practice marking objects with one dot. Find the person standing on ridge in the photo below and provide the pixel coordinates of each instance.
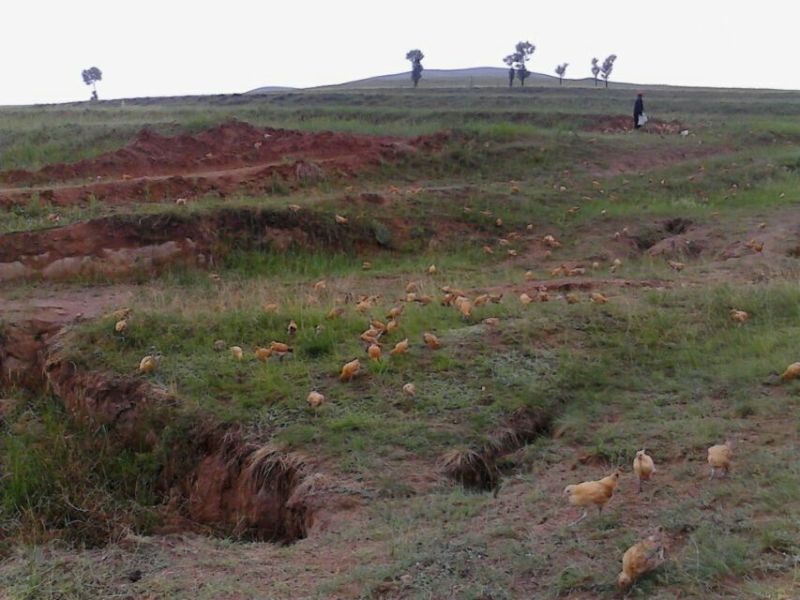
(638, 110)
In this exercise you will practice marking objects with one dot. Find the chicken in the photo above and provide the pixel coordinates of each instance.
(349, 370)
(492, 321)
(431, 341)
(340, 219)
(529, 276)
(791, 372)
(410, 389)
(411, 297)
(676, 266)
(525, 299)
(465, 308)
(400, 347)
(391, 326)
(558, 271)
(236, 352)
(148, 364)
(512, 253)
(720, 457)
(640, 559)
(366, 265)
(412, 287)
(572, 298)
(598, 298)
(496, 298)
(588, 493)
(219, 345)
(280, 349)
(424, 300)
(121, 314)
(448, 299)
(488, 250)
(551, 242)
(263, 354)
(320, 286)
(293, 207)
(376, 324)
(363, 305)
(432, 270)
(575, 271)
(481, 300)
(270, 308)
(121, 325)
(739, 316)
(643, 467)
(315, 399)
(374, 352)
(755, 246)
(291, 329)
(395, 312)
(335, 312)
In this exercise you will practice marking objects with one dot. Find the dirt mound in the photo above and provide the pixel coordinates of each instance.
(230, 157)
(622, 124)
(122, 245)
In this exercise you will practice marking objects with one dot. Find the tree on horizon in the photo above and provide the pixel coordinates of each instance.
(608, 66)
(415, 56)
(90, 77)
(595, 70)
(518, 59)
(560, 70)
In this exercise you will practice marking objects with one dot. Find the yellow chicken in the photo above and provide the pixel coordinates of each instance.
(720, 458)
(363, 305)
(270, 308)
(121, 314)
(598, 298)
(335, 312)
(640, 559)
(739, 316)
(499, 222)
(465, 308)
(320, 286)
(525, 299)
(410, 389)
(366, 265)
(392, 326)
(349, 370)
(488, 250)
(400, 348)
(492, 321)
(340, 219)
(374, 352)
(412, 287)
(315, 399)
(291, 329)
(675, 265)
(432, 270)
(236, 352)
(572, 298)
(395, 312)
(376, 324)
(148, 364)
(588, 493)
(431, 341)
(755, 246)
(280, 349)
(411, 297)
(551, 242)
(644, 468)
(424, 300)
(121, 325)
(791, 372)
(496, 298)
(529, 276)
(263, 354)
(481, 300)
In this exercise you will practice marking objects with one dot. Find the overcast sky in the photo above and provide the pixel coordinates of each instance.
(171, 47)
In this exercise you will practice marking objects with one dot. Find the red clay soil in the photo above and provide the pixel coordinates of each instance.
(623, 124)
(231, 157)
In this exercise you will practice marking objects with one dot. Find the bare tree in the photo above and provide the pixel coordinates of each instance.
(608, 66)
(90, 77)
(595, 70)
(415, 56)
(560, 70)
(517, 61)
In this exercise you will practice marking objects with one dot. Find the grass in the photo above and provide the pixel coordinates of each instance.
(661, 367)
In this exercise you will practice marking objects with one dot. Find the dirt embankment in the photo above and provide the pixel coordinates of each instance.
(228, 158)
(214, 479)
(122, 245)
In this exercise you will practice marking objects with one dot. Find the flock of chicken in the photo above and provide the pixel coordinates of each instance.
(640, 558)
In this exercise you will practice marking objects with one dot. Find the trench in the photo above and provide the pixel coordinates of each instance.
(215, 478)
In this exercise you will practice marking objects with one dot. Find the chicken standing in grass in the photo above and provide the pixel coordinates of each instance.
(739, 316)
(236, 352)
(349, 370)
(335, 313)
(598, 298)
(720, 458)
(291, 329)
(410, 389)
(280, 349)
(315, 399)
(791, 372)
(400, 348)
(374, 352)
(431, 341)
(589, 493)
(121, 325)
(644, 468)
(148, 364)
(263, 354)
(640, 559)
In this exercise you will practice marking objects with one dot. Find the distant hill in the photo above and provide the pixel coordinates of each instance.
(432, 78)
(271, 89)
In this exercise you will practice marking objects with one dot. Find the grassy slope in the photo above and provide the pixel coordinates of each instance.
(665, 369)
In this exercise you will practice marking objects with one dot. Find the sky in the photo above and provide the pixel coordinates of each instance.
(176, 47)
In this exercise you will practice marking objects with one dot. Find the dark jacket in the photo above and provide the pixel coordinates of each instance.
(638, 108)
